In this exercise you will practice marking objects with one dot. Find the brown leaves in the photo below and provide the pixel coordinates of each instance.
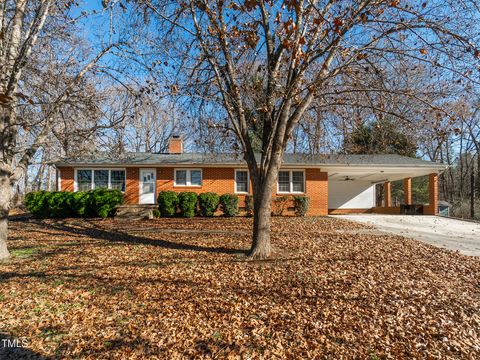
(180, 288)
(250, 4)
(337, 23)
(5, 100)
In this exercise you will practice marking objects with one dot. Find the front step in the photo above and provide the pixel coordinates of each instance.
(135, 212)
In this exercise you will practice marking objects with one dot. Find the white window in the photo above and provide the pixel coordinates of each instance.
(298, 182)
(291, 181)
(284, 181)
(91, 179)
(84, 180)
(242, 181)
(188, 177)
(100, 179)
(117, 180)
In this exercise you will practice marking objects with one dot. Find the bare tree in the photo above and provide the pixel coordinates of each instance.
(33, 94)
(287, 53)
(140, 118)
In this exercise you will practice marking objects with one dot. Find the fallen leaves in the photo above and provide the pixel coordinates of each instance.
(180, 288)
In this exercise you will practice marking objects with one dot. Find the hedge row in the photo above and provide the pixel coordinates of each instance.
(189, 204)
(102, 203)
(62, 204)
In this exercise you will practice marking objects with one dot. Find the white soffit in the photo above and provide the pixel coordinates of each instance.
(377, 174)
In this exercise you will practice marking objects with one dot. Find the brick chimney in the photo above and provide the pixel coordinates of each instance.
(175, 145)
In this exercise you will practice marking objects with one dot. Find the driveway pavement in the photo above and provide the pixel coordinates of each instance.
(447, 233)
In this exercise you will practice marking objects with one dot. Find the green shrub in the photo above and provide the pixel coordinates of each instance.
(79, 203)
(301, 205)
(36, 203)
(229, 204)
(61, 204)
(156, 213)
(58, 204)
(280, 204)
(103, 212)
(208, 203)
(167, 203)
(249, 205)
(103, 202)
(187, 202)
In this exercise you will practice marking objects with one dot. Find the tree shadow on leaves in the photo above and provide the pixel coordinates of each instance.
(14, 349)
(91, 230)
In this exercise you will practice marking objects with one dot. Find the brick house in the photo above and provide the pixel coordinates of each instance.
(335, 183)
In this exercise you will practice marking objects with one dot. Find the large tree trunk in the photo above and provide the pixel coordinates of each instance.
(4, 253)
(263, 187)
(5, 196)
(261, 248)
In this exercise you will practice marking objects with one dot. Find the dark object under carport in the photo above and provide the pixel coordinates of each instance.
(413, 209)
(443, 208)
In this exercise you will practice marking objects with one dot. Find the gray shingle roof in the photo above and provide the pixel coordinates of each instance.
(150, 159)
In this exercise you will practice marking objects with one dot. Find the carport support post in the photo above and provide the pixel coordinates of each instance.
(407, 191)
(432, 207)
(387, 193)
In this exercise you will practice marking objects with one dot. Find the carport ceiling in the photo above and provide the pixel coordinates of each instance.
(376, 175)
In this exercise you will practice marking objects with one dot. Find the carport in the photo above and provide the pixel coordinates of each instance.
(351, 187)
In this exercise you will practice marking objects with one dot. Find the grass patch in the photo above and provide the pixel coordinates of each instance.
(23, 253)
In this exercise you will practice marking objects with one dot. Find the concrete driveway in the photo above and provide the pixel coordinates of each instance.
(452, 234)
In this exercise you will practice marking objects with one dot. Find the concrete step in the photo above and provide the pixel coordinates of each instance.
(135, 212)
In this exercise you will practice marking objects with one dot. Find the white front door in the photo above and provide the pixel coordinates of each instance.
(147, 186)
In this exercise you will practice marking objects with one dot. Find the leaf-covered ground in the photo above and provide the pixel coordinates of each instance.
(181, 288)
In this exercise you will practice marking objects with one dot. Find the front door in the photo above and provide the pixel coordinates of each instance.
(147, 186)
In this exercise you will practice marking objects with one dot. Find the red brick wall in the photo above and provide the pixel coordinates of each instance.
(317, 190)
(432, 207)
(387, 194)
(132, 190)
(348, 211)
(175, 146)
(389, 210)
(407, 191)
(67, 177)
(218, 180)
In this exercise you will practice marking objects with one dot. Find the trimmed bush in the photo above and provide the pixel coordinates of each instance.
(156, 213)
(301, 205)
(80, 202)
(229, 204)
(36, 203)
(249, 205)
(208, 203)
(61, 204)
(167, 203)
(58, 204)
(280, 205)
(187, 202)
(102, 202)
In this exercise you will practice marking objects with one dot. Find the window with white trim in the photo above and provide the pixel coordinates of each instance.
(84, 180)
(100, 179)
(188, 177)
(91, 179)
(117, 180)
(242, 181)
(291, 181)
